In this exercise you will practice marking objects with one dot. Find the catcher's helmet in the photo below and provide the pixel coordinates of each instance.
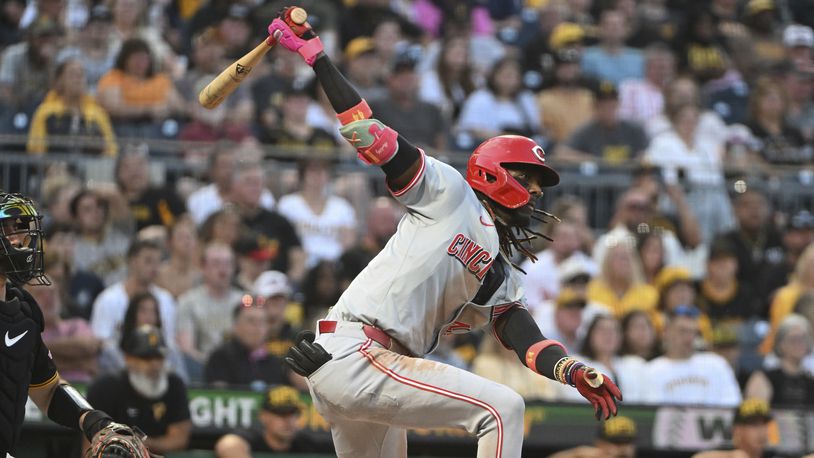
(486, 173)
(21, 256)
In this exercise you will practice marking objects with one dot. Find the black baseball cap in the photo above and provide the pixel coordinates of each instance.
(282, 400)
(618, 430)
(145, 341)
(752, 411)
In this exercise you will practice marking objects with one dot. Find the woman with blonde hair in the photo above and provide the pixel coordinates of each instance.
(620, 286)
(802, 281)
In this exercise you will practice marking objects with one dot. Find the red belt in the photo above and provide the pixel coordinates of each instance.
(373, 333)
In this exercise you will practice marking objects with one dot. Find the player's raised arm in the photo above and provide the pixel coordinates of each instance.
(376, 143)
(517, 330)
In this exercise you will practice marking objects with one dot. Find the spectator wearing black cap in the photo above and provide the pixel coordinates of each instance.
(616, 439)
(234, 30)
(720, 295)
(25, 68)
(798, 234)
(93, 48)
(243, 360)
(278, 429)
(606, 136)
(402, 109)
(750, 432)
(757, 243)
(146, 394)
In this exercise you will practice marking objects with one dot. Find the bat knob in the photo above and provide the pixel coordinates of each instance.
(298, 15)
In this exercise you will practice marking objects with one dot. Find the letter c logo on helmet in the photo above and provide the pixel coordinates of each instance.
(538, 151)
(486, 173)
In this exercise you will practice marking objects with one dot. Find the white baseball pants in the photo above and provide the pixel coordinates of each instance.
(371, 395)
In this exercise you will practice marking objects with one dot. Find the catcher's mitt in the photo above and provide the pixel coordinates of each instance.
(119, 441)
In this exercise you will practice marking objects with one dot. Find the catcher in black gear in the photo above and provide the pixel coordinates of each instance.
(26, 367)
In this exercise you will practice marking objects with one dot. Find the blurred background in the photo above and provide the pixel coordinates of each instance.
(683, 265)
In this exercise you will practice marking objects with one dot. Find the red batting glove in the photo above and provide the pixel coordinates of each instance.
(599, 390)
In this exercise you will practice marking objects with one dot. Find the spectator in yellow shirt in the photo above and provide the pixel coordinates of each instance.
(69, 112)
(620, 285)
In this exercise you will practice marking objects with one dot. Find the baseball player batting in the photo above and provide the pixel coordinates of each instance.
(26, 367)
(446, 270)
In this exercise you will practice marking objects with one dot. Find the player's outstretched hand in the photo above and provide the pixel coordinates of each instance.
(305, 357)
(599, 390)
(293, 32)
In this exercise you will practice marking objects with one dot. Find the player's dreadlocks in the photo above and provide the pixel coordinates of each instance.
(513, 237)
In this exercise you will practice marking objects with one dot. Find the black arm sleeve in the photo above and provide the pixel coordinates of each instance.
(339, 91)
(343, 97)
(519, 332)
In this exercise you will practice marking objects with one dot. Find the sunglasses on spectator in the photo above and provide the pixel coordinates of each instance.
(689, 311)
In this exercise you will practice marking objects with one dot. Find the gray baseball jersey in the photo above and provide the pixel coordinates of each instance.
(422, 283)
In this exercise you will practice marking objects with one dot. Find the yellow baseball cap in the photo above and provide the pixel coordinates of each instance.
(282, 400)
(670, 276)
(759, 6)
(358, 46)
(619, 430)
(565, 33)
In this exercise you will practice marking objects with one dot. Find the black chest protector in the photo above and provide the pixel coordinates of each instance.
(20, 326)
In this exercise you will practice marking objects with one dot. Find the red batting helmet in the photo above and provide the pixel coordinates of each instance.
(486, 172)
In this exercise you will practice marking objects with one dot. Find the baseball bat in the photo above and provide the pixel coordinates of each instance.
(230, 78)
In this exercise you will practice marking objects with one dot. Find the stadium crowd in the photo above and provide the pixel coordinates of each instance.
(697, 291)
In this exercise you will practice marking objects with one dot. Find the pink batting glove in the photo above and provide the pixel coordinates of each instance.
(309, 49)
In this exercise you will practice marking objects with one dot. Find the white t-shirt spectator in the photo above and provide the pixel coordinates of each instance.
(703, 379)
(207, 200)
(542, 279)
(482, 110)
(320, 234)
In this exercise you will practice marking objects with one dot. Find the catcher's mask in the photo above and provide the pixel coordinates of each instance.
(21, 256)
(486, 171)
